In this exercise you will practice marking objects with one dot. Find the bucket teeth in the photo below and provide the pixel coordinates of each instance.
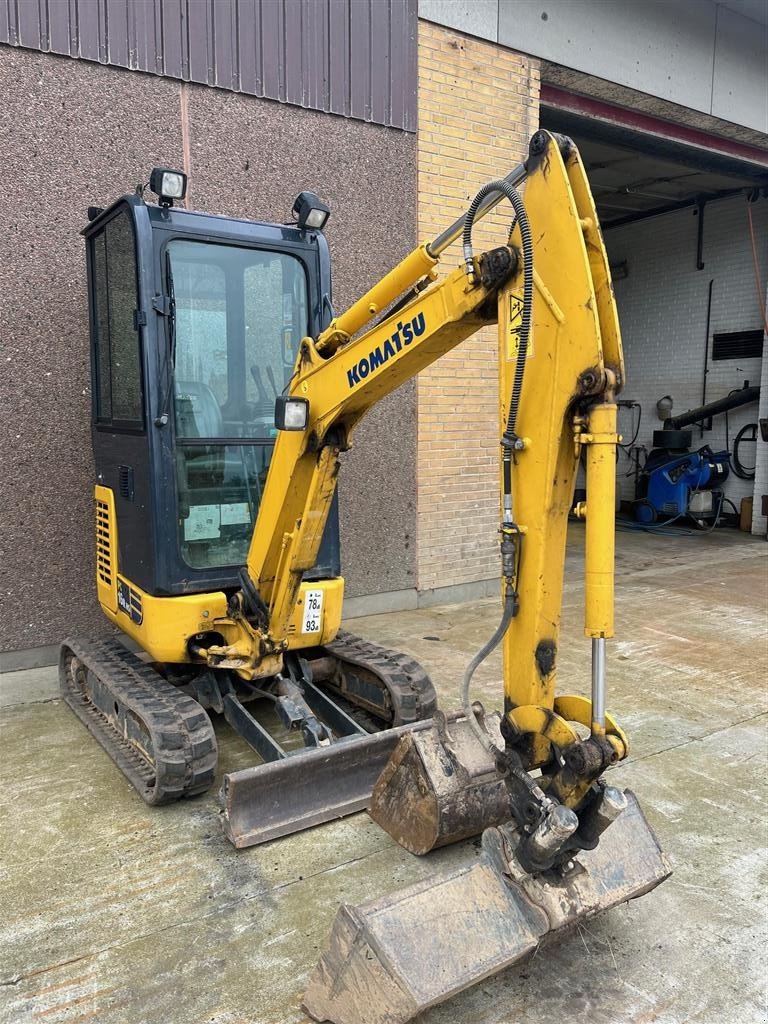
(394, 957)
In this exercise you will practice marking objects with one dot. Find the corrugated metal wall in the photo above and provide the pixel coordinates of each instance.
(356, 58)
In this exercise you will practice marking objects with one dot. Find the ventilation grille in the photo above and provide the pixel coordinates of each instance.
(103, 544)
(125, 474)
(738, 345)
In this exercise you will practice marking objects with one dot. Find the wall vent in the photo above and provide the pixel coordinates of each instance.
(103, 544)
(738, 345)
(125, 485)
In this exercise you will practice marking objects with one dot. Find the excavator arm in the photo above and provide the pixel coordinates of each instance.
(561, 393)
(558, 843)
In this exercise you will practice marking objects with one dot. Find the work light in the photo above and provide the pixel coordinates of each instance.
(291, 413)
(168, 184)
(310, 211)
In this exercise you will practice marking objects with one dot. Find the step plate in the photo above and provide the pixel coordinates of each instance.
(394, 957)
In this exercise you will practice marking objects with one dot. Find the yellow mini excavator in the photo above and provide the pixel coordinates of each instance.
(225, 389)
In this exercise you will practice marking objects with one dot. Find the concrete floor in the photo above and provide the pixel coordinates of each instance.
(111, 912)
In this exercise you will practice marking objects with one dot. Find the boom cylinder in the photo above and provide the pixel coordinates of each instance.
(407, 272)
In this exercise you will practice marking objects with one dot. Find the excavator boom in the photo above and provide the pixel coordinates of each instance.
(559, 845)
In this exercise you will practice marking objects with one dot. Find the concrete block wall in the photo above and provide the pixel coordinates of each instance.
(478, 107)
(663, 312)
(90, 132)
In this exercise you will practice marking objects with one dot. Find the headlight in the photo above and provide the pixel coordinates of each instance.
(310, 211)
(291, 413)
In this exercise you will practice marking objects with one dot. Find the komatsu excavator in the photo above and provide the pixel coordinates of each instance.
(225, 391)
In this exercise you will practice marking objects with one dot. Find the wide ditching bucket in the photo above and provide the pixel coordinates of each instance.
(395, 956)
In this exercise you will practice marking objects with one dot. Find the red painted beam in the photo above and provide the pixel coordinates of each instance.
(575, 103)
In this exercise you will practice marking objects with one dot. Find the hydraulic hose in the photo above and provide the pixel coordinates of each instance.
(491, 645)
(509, 437)
(743, 472)
(509, 440)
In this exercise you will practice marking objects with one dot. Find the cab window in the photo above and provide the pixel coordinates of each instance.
(118, 398)
(239, 316)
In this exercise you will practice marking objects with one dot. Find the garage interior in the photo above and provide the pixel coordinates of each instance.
(685, 228)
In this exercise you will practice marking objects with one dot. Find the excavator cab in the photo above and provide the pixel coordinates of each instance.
(195, 324)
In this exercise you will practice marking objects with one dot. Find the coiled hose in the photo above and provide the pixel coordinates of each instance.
(509, 438)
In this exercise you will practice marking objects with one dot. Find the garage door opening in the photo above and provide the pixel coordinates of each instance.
(685, 222)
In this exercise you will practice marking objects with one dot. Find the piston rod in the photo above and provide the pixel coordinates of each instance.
(440, 244)
(598, 686)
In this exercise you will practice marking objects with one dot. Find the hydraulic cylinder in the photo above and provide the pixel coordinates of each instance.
(600, 544)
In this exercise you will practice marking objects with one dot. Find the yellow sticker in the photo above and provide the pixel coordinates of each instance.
(514, 321)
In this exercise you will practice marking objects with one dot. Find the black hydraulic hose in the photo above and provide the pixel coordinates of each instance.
(506, 617)
(509, 440)
(742, 471)
(627, 445)
(509, 437)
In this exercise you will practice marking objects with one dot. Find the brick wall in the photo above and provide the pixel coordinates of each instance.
(478, 107)
(663, 313)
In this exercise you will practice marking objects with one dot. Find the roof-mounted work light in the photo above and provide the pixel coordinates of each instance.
(168, 184)
(310, 211)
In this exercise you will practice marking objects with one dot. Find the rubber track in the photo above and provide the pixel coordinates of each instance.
(411, 692)
(181, 733)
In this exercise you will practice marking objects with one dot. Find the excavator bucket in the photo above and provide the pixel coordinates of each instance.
(395, 956)
(441, 786)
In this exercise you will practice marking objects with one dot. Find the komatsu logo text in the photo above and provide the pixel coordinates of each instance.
(402, 337)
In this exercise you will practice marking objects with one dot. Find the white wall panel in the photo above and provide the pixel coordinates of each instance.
(475, 17)
(696, 53)
(662, 48)
(663, 314)
(737, 95)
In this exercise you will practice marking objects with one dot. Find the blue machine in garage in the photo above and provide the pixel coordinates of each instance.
(677, 482)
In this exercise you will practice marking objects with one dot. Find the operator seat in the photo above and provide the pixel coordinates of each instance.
(198, 414)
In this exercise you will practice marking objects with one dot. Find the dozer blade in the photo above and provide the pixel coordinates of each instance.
(307, 788)
(394, 957)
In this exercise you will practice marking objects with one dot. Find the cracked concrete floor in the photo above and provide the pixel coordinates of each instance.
(115, 913)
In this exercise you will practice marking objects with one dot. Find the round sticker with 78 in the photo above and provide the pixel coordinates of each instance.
(313, 611)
